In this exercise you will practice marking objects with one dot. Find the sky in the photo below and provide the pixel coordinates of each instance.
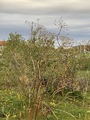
(75, 13)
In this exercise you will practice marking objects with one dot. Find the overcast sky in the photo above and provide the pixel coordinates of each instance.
(76, 14)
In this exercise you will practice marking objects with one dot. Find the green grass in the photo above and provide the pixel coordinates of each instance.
(14, 106)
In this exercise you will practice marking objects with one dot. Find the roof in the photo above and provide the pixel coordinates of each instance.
(2, 43)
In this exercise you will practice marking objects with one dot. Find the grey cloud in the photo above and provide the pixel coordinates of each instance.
(51, 9)
(6, 30)
(45, 11)
(76, 15)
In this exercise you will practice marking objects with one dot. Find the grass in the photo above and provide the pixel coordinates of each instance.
(14, 106)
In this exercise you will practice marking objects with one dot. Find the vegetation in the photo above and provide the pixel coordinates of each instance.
(41, 82)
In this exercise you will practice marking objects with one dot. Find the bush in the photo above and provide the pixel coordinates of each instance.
(38, 70)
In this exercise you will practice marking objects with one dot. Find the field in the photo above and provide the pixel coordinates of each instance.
(14, 107)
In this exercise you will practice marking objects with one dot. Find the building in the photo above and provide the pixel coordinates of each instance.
(2, 43)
